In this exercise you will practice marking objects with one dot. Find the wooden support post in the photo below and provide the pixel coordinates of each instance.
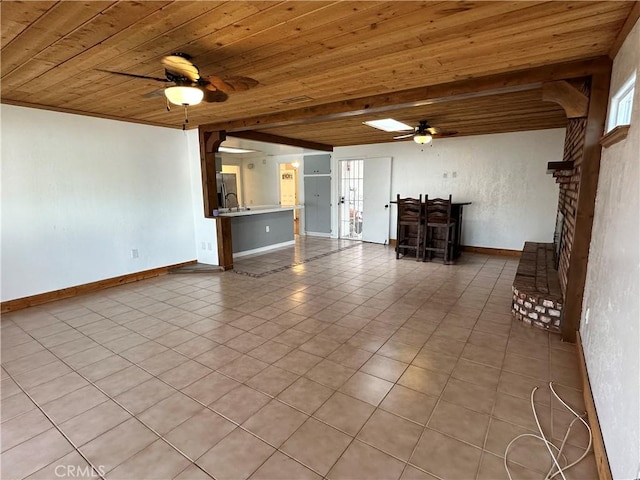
(577, 272)
(225, 251)
(209, 143)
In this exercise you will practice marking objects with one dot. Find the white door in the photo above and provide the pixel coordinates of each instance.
(377, 194)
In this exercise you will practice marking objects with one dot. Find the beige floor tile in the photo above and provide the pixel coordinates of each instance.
(162, 362)
(320, 346)
(210, 388)
(223, 334)
(199, 433)
(175, 338)
(446, 457)
(236, 457)
(316, 445)
(451, 331)
(349, 356)
(399, 351)
(492, 468)
(143, 351)
(74, 403)
(57, 388)
(94, 422)
(270, 351)
(425, 381)
(391, 434)
(196, 346)
(412, 473)
(384, 367)
(71, 465)
(293, 338)
(275, 422)
(409, 404)
(243, 368)
(185, 374)
(345, 413)
(306, 395)
(298, 362)
(247, 322)
(34, 454)
(23, 428)
(460, 423)
(435, 361)
(193, 472)
(123, 380)
(218, 357)
(15, 405)
(145, 395)
(104, 368)
(279, 466)
(240, 403)
(157, 461)
(488, 340)
(474, 397)
(483, 355)
(117, 445)
(362, 462)
(42, 374)
(476, 373)
(170, 412)
(272, 380)
(514, 410)
(366, 341)
(367, 388)
(521, 386)
(245, 342)
(525, 366)
(329, 373)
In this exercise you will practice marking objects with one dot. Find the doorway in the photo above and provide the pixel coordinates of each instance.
(365, 192)
(288, 180)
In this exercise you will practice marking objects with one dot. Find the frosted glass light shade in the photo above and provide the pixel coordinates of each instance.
(422, 138)
(181, 95)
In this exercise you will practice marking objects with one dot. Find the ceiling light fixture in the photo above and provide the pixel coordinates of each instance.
(234, 150)
(295, 164)
(184, 95)
(389, 125)
(422, 138)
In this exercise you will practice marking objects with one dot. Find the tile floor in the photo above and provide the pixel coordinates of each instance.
(352, 366)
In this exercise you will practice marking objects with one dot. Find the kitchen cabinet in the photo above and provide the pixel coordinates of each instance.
(317, 204)
(317, 164)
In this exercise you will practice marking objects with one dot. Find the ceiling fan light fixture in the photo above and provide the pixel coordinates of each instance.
(422, 138)
(184, 95)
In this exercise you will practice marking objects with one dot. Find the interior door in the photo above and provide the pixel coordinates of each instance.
(377, 194)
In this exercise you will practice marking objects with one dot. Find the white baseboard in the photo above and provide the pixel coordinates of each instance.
(264, 249)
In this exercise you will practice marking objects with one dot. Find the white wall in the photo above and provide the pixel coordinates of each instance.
(503, 175)
(611, 338)
(206, 239)
(79, 193)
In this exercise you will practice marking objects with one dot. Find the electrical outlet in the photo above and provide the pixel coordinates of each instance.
(209, 246)
(445, 175)
(204, 246)
(266, 229)
(586, 316)
(134, 253)
(454, 174)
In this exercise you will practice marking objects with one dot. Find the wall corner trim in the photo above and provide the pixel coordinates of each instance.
(599, 450)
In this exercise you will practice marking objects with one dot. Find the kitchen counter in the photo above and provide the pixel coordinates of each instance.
(246, 211)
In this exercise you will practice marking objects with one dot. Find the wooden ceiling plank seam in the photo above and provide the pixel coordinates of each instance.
(155, 62)
(632, 18)
(15, 18)
(456, 47)
(66, 17)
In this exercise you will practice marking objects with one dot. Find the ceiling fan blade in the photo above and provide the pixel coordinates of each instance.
(400, 137)
(213, 96)
(133, 75)
(181, 66)
(231, 84)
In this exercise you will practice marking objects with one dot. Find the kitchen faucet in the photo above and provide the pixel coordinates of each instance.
(226, 199)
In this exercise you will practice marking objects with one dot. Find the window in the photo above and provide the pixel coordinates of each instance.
(621, 104)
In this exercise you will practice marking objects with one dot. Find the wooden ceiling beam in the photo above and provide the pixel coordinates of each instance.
(446, 92)
(270, 138)
(629, 23)
(574, 102)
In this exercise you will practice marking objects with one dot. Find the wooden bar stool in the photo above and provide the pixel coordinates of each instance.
(440, 228)
(409, 235)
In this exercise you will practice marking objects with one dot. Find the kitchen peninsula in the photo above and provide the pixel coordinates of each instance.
(253, 230)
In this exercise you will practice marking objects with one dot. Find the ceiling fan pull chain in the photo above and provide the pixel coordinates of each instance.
(168, 106)
(186, 118)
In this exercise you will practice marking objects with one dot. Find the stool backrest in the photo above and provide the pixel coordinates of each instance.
(438, 210)
(409, 209)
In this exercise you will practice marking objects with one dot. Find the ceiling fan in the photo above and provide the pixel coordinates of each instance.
(190, 88)
(423, 133)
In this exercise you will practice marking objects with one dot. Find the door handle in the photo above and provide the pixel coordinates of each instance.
(386, 206)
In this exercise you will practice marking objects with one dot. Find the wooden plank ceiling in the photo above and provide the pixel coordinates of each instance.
(303, 54)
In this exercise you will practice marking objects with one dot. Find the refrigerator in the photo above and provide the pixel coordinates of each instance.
(227, 190)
